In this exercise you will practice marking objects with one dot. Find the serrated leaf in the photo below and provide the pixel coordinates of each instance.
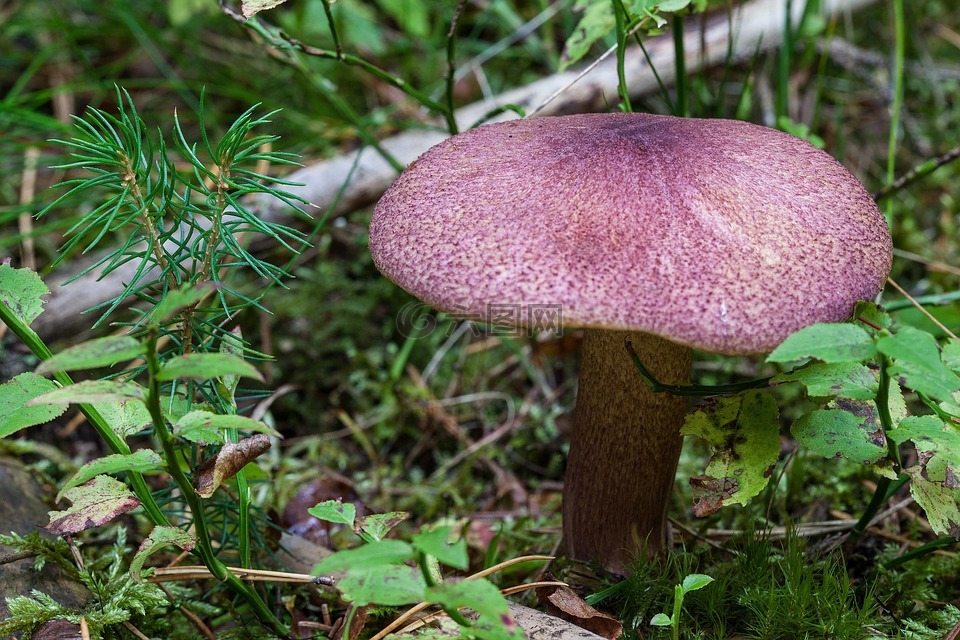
(835, 433)
(94, 503)
(916, 359)
(335, 511)
(21, 291)
(951, 355)
(227, 463)
(125, 418)
(374, 554)
(597, 21)
(377, 525)
(92, 354)
(841, 342)
(743, 431)
(206, 427)
(141, 461)
(161, 536)
(695, 581)
(845, 379)
(93, 391)
(386, 584)
(480, 595)
(205, 366)
(931, 436)
(896, 403)
(15, 414)
(941, 504)
(435, 543)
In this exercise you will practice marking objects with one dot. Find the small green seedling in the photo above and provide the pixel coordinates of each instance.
(692, 582)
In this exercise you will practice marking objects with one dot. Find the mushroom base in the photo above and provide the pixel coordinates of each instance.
(624, 449)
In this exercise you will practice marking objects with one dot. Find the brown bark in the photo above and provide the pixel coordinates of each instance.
(624, 449)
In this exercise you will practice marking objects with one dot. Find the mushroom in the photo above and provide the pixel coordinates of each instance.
(671, 233)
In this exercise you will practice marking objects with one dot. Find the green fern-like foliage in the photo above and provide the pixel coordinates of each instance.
(181, 227)
(117, 597)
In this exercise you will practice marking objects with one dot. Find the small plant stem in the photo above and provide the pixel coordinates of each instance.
(680, 61)
(204, 548)
(783, 75)
(430, 570)
(333, 29)
(899, 54)
(916, 173)
(623, 33)
(885, 487)
(677, 606)
(116, 444)
(452, 67)
(691, 389)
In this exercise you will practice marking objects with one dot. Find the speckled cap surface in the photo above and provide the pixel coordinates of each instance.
(721, 235)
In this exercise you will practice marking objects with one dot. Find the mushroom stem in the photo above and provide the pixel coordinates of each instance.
(624, 449)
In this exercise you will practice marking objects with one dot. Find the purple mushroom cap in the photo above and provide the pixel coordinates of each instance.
(716, 234)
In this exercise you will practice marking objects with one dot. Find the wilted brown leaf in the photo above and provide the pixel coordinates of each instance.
(567, 605)
(231, 458)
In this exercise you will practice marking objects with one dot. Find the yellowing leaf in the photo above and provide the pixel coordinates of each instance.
(743, 431)
(94, 503)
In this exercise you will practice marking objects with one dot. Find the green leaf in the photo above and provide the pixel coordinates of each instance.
(160, 537)
(369, 555)
(179, 299)
(837, 433)
(744, 432)
(842, 342)
(94, 503)
(15, 414)
(101, 352)
(377, 525)
(231, 344)
(695, 581)
(390, 585)
(92, 391)
(931, 436)
(21, 291)
(141, 461)
(125, 418)
(335, 511)
(597, 22)
(845, 379)
(205, 427)
(916, 359)
(940, 503)
(951, 355)
(867, 311)
(205, 366)
(435, 543)
(480, 595)
(661, 620)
